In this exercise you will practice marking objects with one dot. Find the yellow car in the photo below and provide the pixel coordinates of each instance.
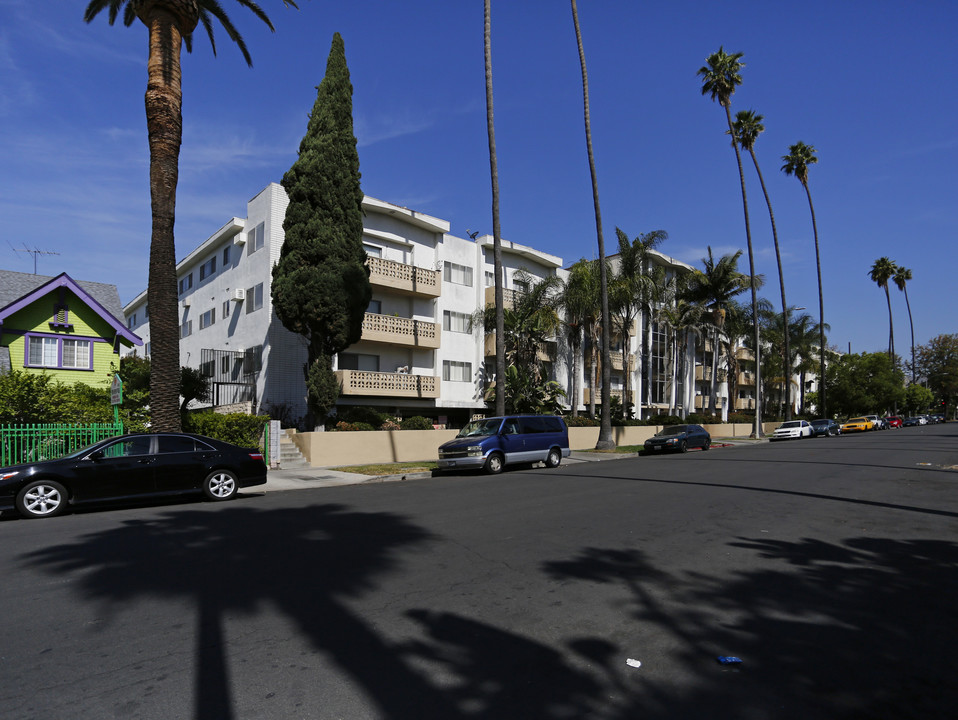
(858, 424)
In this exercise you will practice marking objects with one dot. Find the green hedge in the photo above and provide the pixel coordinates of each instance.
(237, 428)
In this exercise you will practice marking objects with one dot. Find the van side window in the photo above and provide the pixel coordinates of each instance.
(510, 428)
(532, 424)
(553, 424)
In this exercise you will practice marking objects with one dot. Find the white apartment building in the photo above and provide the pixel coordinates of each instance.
(417, 355)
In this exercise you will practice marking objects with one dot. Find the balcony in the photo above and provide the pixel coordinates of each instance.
(405, 279)
(744, 354)
(385, 384)
(587, 394)
(546, 353)
(702, 402)
(508, 296)
(401, 331)
(745, 404)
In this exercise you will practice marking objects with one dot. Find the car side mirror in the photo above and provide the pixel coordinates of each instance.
(95, 455)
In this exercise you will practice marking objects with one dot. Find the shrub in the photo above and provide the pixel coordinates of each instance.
(581, 421)
(344, 426)
(416, 422)
(237, 428)
(390, 425)
(667, 420)
(360, 414)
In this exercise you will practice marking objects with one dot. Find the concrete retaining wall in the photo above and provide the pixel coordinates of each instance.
(332, 449)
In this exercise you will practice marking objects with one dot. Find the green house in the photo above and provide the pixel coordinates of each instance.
(69, 329)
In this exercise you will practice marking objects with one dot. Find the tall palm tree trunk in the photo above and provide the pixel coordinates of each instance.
(914, 377)
(751, 271)
(496, 238)
(781, 282)
(821, 309)
(164, 121)
(605, 440)
(891, 327)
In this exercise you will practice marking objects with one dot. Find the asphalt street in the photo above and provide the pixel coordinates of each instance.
(595, 590)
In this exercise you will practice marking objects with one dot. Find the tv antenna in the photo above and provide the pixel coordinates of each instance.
(35, 252)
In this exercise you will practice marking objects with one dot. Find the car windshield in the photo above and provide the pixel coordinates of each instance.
(481, 428)
(820, 422)
(858, 420)
(673, 430)
(792, 424)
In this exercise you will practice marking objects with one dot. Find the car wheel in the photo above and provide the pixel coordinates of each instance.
(42, 498)
(220, 485)
(683, 446)
(494, 464)
(707, 444)
(553, 458)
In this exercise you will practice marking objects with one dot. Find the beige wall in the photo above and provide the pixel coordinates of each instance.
(332, 449)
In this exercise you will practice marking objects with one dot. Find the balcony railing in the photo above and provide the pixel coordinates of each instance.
(401, 331)
(587, 394)
(745, 404)
(385, 384)
(702, 402)
(746, 378)
(508, 296)
(403, 278)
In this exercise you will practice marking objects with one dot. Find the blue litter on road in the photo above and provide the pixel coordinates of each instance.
(728, 660)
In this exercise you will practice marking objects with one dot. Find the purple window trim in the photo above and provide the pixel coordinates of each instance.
(59, 339)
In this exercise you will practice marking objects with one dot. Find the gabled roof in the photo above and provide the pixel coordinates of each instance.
(18, 290)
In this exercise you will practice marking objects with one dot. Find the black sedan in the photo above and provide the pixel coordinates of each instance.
(825, 428)
(131, 466)
(679, 438)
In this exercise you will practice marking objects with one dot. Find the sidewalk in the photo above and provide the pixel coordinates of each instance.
(314, 477)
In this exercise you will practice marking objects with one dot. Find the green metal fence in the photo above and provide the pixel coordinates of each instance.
(46, 441)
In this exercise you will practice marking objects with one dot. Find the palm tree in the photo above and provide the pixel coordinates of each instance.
(579, 301)
(716, 287)
(748, 126)
(803, 331)
(799, 157)
(171, 24)
(720, 76)
(631, 283)
(882, 271)
(605, 441)
(496, 237)
(901, 278)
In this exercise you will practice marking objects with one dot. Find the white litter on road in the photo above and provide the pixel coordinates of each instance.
(633, 663)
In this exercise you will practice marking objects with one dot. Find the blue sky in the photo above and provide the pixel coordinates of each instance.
(871, 85)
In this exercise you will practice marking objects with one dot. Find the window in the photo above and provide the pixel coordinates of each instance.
(254, 298)
(521, 286)
(226, 309)
(175, 444)
(356, 361)
(208, 268)
(186, 283)
(186, 329)
(455, 321)
(131, 323)
(454, 371)
(255, 238)
(129, 447)
(373, 251)
(146, 350)
(226, 255)
(76, 354)
(51, 352)
(375, 307)
(490, 279)
(457, 274)
(208, 318)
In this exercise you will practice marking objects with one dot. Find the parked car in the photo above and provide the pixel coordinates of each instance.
(893, 421)
(859, 424)
(131, 466)
(679, 438)
(877, 422)
(825, 427)
(492, 443)
(911, 421)
(793, 429)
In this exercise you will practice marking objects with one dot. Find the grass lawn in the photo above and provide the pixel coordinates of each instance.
(389, 468)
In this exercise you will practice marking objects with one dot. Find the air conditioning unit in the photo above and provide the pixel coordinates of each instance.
(239, 294)
(186, 301)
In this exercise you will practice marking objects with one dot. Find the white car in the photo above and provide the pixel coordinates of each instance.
(793, 429)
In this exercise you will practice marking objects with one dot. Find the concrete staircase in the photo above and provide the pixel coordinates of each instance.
(290, 457)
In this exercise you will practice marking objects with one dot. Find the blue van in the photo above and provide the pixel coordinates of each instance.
(492, 443)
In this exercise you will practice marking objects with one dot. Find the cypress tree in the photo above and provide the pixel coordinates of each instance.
(321, 283)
